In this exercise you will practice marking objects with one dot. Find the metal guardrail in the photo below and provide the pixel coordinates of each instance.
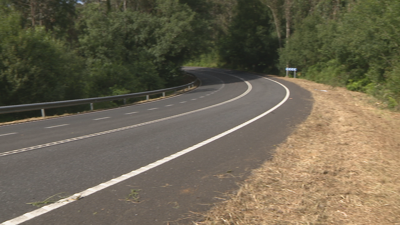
(49, 105)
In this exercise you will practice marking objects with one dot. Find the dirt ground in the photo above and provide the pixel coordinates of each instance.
(341, 166)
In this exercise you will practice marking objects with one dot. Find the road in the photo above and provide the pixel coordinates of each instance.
(154, 163)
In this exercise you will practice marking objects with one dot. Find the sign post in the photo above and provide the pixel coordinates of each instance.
(291, 69)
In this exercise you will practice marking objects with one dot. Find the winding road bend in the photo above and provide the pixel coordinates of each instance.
(156, 163)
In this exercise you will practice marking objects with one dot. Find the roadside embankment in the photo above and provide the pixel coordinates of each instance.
(341, 166)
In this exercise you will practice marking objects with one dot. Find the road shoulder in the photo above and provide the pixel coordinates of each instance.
(341, 166)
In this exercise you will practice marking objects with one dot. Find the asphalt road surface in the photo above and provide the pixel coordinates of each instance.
(162, 162)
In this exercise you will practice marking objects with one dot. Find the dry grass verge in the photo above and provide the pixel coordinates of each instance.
(341, 166)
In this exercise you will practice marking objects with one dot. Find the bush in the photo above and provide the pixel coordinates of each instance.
(36, 68)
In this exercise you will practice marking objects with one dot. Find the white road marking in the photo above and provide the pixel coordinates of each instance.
(27, 216)
(201, 96)
(103, 118)
(152, 109)
(249, 88)
(194, 99)
(183, 102)
(1, 135)
(62, 125)
(168, 105)
(130, 113)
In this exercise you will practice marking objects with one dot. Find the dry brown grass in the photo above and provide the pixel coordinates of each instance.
(341, 166)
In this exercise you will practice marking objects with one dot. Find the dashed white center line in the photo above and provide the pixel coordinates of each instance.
(194, 99)
(103, 118)
(38, 212)
(152, 109)
(62, 125)
(130, 113)
(1, 135)
(183, 102)
(168, 105)
(202, 97)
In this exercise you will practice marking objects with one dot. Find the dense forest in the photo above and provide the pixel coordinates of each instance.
(54, 50)
(349, 43)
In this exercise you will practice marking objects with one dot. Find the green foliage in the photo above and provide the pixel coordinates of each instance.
(327, 72)
(57, 50)
(358, 48)
(34, 67)
(146, 49)
(249, 44)
(210, 60)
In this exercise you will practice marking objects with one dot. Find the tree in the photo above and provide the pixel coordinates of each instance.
(249, 44)
(34, 67)
(276, 7)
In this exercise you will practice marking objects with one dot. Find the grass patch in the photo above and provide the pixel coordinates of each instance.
(133, 196)
(49, 200)
(210, 60)
(341, 166)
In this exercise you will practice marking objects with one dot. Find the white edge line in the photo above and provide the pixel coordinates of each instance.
(127, 127)
(104, 110)
(27, 216)
(1, 135)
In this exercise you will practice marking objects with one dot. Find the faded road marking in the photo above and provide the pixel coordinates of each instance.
(103, 118)
(1, 135)
(62, 125)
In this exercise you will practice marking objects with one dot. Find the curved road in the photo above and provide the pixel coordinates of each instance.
(153, 163)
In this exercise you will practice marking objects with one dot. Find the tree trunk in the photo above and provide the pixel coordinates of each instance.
(33, 10)
(274, 6)
(40, 16)
(288, 6)
(288, 17)
(336, 9)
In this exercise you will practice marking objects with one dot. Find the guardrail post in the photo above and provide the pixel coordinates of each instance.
(44, 105)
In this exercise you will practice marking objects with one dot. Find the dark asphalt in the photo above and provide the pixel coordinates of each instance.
(169, 193)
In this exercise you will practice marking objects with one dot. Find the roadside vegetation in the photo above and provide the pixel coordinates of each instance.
(52, 50)
(346, 43)
(341, 166)
(67, 49)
